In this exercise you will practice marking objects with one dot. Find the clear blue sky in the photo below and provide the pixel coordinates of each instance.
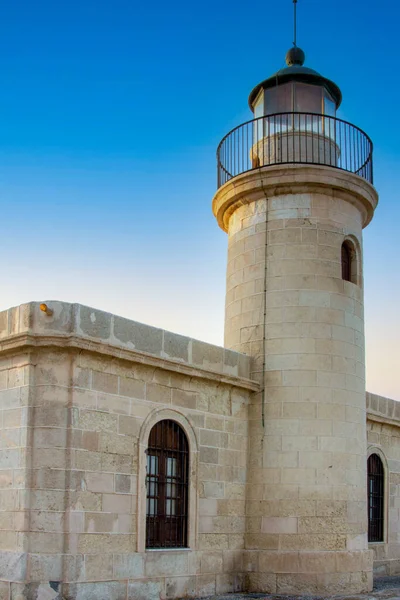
(110, 114)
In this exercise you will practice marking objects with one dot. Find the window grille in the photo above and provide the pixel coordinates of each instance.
(167, 486)
(375, 499)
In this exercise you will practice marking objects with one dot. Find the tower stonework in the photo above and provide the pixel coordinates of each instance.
(289, 306)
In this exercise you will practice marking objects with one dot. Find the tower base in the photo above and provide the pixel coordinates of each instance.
(314, 572)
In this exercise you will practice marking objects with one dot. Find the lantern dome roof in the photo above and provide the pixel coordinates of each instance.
(295, 71)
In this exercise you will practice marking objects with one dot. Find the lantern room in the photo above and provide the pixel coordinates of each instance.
(295, 89)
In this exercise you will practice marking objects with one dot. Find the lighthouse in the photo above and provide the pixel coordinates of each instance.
(295, 190)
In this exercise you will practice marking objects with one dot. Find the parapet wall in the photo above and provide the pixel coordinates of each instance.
(69, 320)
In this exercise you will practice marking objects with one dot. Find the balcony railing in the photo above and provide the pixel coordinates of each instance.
(294, 138)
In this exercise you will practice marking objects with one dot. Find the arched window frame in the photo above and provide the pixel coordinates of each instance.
(352, 246)
(378, 452)
(192, 526)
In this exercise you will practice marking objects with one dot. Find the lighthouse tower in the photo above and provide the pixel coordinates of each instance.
(294, 193)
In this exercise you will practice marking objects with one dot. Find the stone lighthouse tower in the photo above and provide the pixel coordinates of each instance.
(295, 191)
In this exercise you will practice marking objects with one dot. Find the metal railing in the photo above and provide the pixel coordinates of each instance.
(294, 138)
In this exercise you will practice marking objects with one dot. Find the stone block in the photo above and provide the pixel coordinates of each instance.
(158, 393)
(116, 503)
(90, 441)
(46, 521)
(15, 377)
(206, 585)
(99, 482)
(128, 566)
(94, 323)
(184, 398)
(96, 420)
(145, 590)
(166, 563)
(261, 583)
(5, 589)
(138, 336)
(45, 591)
(207, 356)
(81, 377)
(100, 522)
(176, 346)
(133, 388)
(325, 542)
(116, 463)
(13, 566)
(129, 426)
(3, 323)
(107, 590)
(45, 416)
(213, 541)
(89, 543)
(298, 583)
(80, 398)
(180, 587)
(46, 542)
(3, 380)
(86, 460)
(231, 362)
(279, 525)
(207, 455)
(210, 438)
(315, 562)
(123, 483)
(113, 404)
(349, 562)
(213, 489)
(11, 398)
(116, 444)
(98, 567)
(105, 382)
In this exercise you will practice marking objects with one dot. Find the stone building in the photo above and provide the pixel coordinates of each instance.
(140, 464)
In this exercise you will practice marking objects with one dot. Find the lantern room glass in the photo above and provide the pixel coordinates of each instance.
(296, 97)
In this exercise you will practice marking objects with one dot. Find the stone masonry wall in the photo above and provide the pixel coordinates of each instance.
(383, 432)
(77, 524)
(288, 307)
(14, 477)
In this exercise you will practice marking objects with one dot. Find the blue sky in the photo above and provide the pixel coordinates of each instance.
(110, 115)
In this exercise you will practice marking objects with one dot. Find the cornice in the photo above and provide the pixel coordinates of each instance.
(70, 341)
(270, 181)
(384, 420)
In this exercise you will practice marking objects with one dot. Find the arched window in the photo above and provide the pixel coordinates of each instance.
(346, 262)
(375, 492)
(167, 482)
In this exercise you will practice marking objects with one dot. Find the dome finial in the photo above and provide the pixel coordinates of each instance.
(295, 56)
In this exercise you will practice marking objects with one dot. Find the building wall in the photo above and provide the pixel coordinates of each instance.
(76, 411)
(383, 431)
(89, 406)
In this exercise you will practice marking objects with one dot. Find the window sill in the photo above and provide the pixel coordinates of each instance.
(376, 543)
(168, 549)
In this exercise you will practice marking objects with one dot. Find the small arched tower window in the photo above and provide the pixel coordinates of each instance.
(167, 483)
(376, 486)
(346, 261)
(350, 261)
